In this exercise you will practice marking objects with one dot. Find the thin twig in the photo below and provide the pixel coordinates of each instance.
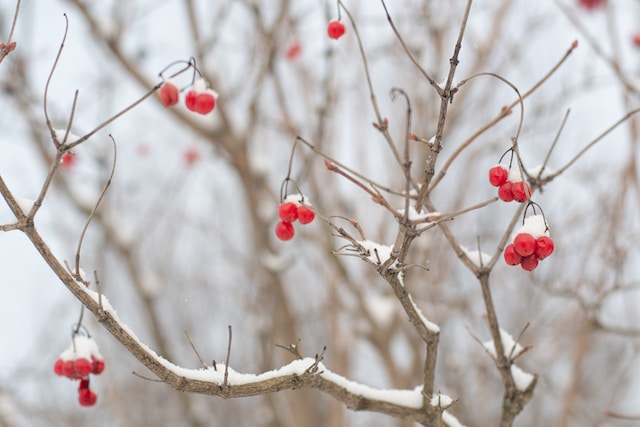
(97, 205)
(226, 364)
(53, 69)
(195, 349)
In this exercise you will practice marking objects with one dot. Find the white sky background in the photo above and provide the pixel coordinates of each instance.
(32, 297)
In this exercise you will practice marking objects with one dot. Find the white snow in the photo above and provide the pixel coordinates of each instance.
(297, 199)
(414, 215)
(521, 378)
(25, 204)
(200, 85)
(534, 225)
(381, 308)
(441, 400)
(546, 172)
(82, 347)
(508, 344)
(475, 256)
(383, 251)
(430, 325)
(514, 175)
(60, 133)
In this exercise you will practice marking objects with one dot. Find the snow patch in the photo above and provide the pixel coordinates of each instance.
(430, 325)
(521, 378)
(534, 225)
(60, 133)
(535, 171)
(441, 400)
(25, 204)
(476, 256)
(508, 344)
(377, 253)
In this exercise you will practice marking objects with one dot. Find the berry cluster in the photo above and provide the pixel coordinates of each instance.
(335, 29)
(77, 362)
(510, 185)
(530, 245)
(199, 98)
(294, 207)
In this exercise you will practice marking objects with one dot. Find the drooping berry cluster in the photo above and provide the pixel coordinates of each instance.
(335, 29)
(510, 185)
(199, 98)
(293, 208)
(530, 245)
(77, 362)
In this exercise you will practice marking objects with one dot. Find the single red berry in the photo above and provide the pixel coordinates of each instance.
(69, 369)
(58, 367)
(169, 94)
(83, 367)
(305, 214)
(87, 397)
(520, 191)
(498, 175)
(335, 29)
(205, 102)
(544, 247)
(529, 263)
(67, 161)
(293, 51)
(636, 39)
(191, 155)
(504, 192)
(511, 257)
(524, 244)
(591, 4)
(284, 230)
(97, 366)
(288, 212)
(190, 100)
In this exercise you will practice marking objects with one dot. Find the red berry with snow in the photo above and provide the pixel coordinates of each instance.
(520, 191)
(284, 230)
(305, 214)
(504, 192)
(190, 100)
(511, 257)
(288, 211)
(524, 244)
(529, 263)
(498, 175)
(544, 247)
(169, 94)
(335, 29)
(83, 367)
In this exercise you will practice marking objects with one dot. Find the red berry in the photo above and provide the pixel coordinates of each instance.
(636, 40)
(529, 263)
(288, 211)
(58, 367)
(205, 102)
(84, 384)
(591, 4)
(97, 366)
(335, 29)
(305, 214)
(293, 51)
(504, 192)
(67, 161)
(169, 94)
(544, 247)
(511, 257)
(83, 367)
(69, 369)
(520, 191)
(190, 100)
(498, 175)
(284, 230)
(87, 397)
(524, 244)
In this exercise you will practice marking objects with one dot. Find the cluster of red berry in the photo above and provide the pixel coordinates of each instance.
(530, 245)
(77, 362)
(294, 207)
(335, 29)
(199, 98)
(510, 184)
